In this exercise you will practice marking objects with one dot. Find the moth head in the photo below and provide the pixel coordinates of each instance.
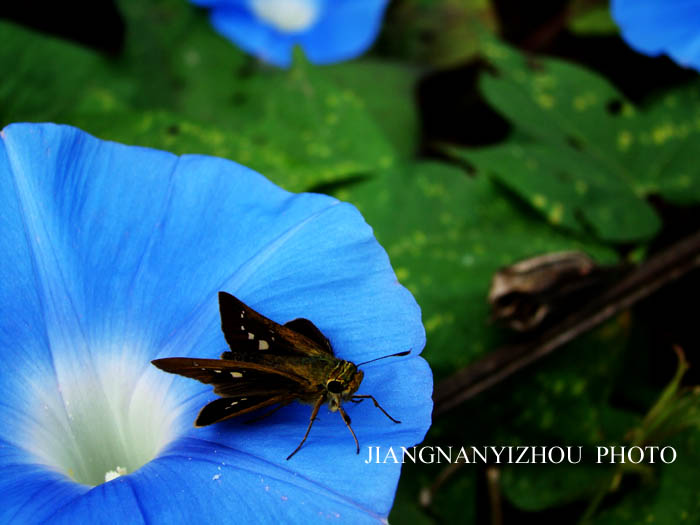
(343, 384)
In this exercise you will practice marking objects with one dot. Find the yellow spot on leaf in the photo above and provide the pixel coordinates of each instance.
(556, 213)
(662, 133)
(539, 200)
(437, 320)
(585, 101)
(419, 237)
(624, 140)
(545, 81)
(684, 181)
(467, 259)
(578, 387)
(386, 161)
(343, 195)
(402, 273)
(446, 218)
(545, 100)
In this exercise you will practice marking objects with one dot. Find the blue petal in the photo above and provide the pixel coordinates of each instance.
(30, 493)
(346, 30)
(209, 483)
(328, 456)
(23, 334)
(654, 27)
(119, 251)
(252, 35)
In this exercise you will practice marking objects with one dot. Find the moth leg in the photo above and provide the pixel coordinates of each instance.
(376, 404)
(346, 418)
(266, 414)
(317, 405)
(356, 401)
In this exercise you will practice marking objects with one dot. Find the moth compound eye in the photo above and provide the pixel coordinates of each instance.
(334, 387)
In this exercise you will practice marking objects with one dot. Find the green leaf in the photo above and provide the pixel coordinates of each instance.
(311, 129)
(565, 401)
(673, 496)
(535, 488)
(391, 101)
(446, 234)
(179, 86)
(569, 188)
(589, 19)
(45, 76)
(582, 155)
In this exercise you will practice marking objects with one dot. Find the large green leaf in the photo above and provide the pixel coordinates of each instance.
(446, 234)
(387, 90)
(582, 155)
(181, 87)
(313, 130)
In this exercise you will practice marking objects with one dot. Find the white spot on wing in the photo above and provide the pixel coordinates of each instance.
(236, 375)
(263, 345)
(251, 336)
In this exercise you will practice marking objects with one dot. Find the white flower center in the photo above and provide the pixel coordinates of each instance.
(97, 421)
(289, 16)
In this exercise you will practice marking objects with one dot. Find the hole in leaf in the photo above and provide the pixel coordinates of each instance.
(614, 106)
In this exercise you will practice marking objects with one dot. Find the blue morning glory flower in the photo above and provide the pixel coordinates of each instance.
(113, 256)
(328, 30)
(655, 27)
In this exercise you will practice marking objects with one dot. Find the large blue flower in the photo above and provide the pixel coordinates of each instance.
(654, 27)
(328, 30)
(113, 256)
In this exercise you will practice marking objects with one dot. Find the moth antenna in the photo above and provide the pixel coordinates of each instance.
(384, 357)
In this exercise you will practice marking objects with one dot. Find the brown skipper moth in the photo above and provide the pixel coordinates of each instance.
(272, 365)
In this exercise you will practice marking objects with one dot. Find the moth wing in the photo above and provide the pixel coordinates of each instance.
(247, 331)
(308, 329)
(222, 373)
(228, 407)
